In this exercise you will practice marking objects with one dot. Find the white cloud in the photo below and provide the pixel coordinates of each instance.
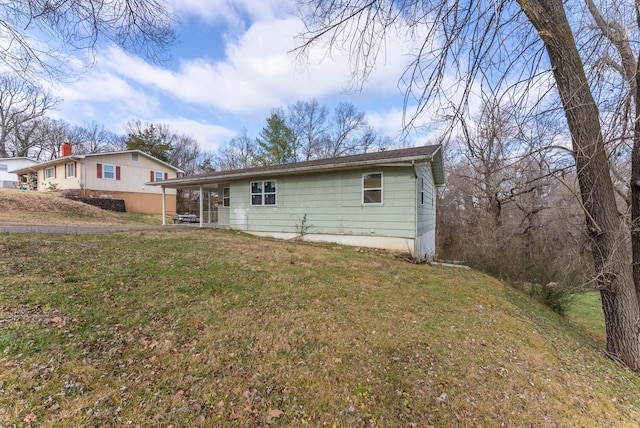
(209, 136)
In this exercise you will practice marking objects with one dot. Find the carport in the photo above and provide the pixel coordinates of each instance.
(206, 188)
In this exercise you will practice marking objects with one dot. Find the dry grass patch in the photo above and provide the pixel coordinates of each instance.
(19, 206)
(212, 328)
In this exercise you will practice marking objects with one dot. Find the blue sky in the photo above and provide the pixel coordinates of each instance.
(231, 67)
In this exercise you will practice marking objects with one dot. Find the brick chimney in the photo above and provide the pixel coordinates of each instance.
(65, 148)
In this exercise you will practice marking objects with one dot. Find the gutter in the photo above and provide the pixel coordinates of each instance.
(282, 172)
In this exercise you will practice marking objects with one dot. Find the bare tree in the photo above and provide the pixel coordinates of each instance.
(497, 43)
(347, 133)
(238, 153)
(92, 137)
(308, 120)
(20, 103)
(38, 36)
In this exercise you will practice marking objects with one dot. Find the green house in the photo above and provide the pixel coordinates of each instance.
(385, 199)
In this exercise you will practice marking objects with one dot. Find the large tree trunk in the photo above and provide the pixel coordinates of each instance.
(606, 228)
(635, 174)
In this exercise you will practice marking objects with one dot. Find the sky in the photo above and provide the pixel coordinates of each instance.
(230, 68)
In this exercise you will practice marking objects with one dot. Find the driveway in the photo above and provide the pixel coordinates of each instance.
(70, 229)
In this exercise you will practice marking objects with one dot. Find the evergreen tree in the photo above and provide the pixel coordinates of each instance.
(276, 142)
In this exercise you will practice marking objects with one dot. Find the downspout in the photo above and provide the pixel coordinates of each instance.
(201, 207)
(415, 210)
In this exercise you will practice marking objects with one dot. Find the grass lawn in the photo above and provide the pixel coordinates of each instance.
(213, 328)
(586, 311)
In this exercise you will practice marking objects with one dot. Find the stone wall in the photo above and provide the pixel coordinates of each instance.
(104, 203)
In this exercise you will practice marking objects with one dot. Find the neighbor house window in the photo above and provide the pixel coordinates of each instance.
(50, 172)
(225, 196)
(134, 157)
(372, 188)
(158, 176)
(70, 170)
(263, 192)
(108, 172)
(3, 167)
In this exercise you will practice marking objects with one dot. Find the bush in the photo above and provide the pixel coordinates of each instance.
(555, 296)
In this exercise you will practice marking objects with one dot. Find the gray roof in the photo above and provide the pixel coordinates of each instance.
(420, 154)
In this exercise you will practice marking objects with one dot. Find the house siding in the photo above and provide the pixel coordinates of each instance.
(426, 212)
(332, 204)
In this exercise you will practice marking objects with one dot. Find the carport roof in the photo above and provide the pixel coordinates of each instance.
(412, 155)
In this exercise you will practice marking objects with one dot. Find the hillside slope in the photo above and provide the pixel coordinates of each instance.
(214, 328)
(18, 206)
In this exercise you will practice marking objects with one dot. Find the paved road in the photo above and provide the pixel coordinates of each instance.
(68, 229)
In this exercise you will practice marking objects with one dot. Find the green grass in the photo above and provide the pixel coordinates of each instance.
(586, 311)
(210, 328)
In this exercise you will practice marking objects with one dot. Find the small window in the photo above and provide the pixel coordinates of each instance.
(4, 167)
(50, 173)
(263, 192)
(158, 176)
(134, 157)
(108, 172)
(372, 188)
(225, 197)
(71, 169)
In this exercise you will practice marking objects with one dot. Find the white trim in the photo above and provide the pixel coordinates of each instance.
(104, 172)
(373, 188)
(66, 169)
(263, 193)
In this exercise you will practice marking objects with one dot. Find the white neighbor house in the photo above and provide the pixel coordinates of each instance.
(9, 179)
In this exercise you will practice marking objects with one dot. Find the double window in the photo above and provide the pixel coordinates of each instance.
(372, 188)
(263, 192)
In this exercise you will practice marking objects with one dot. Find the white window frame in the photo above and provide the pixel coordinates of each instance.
(73, 169)
(226, 196)
(50, 173)
(365, 189)
(104, 171)
(158, 175)
(263, 194)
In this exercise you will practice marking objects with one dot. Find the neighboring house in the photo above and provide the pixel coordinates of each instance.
(385, 199)
(117, 175)
(9, 179)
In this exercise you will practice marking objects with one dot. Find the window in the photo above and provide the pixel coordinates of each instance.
(134, 157)
(421, 190)
(372, 188)
(108, 172)
(70, 170)
(50, 172)
(158, 176)
(4, 167)
(263, 192)
(225, 196)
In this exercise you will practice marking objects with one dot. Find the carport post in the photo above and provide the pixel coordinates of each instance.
(164, 207)
(201, 208)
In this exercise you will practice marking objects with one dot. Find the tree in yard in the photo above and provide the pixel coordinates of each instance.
(20, 103)
(309, 121)
(238, 153)
(40, 36)
(498, 44)
(155, 140)
(276, 142)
